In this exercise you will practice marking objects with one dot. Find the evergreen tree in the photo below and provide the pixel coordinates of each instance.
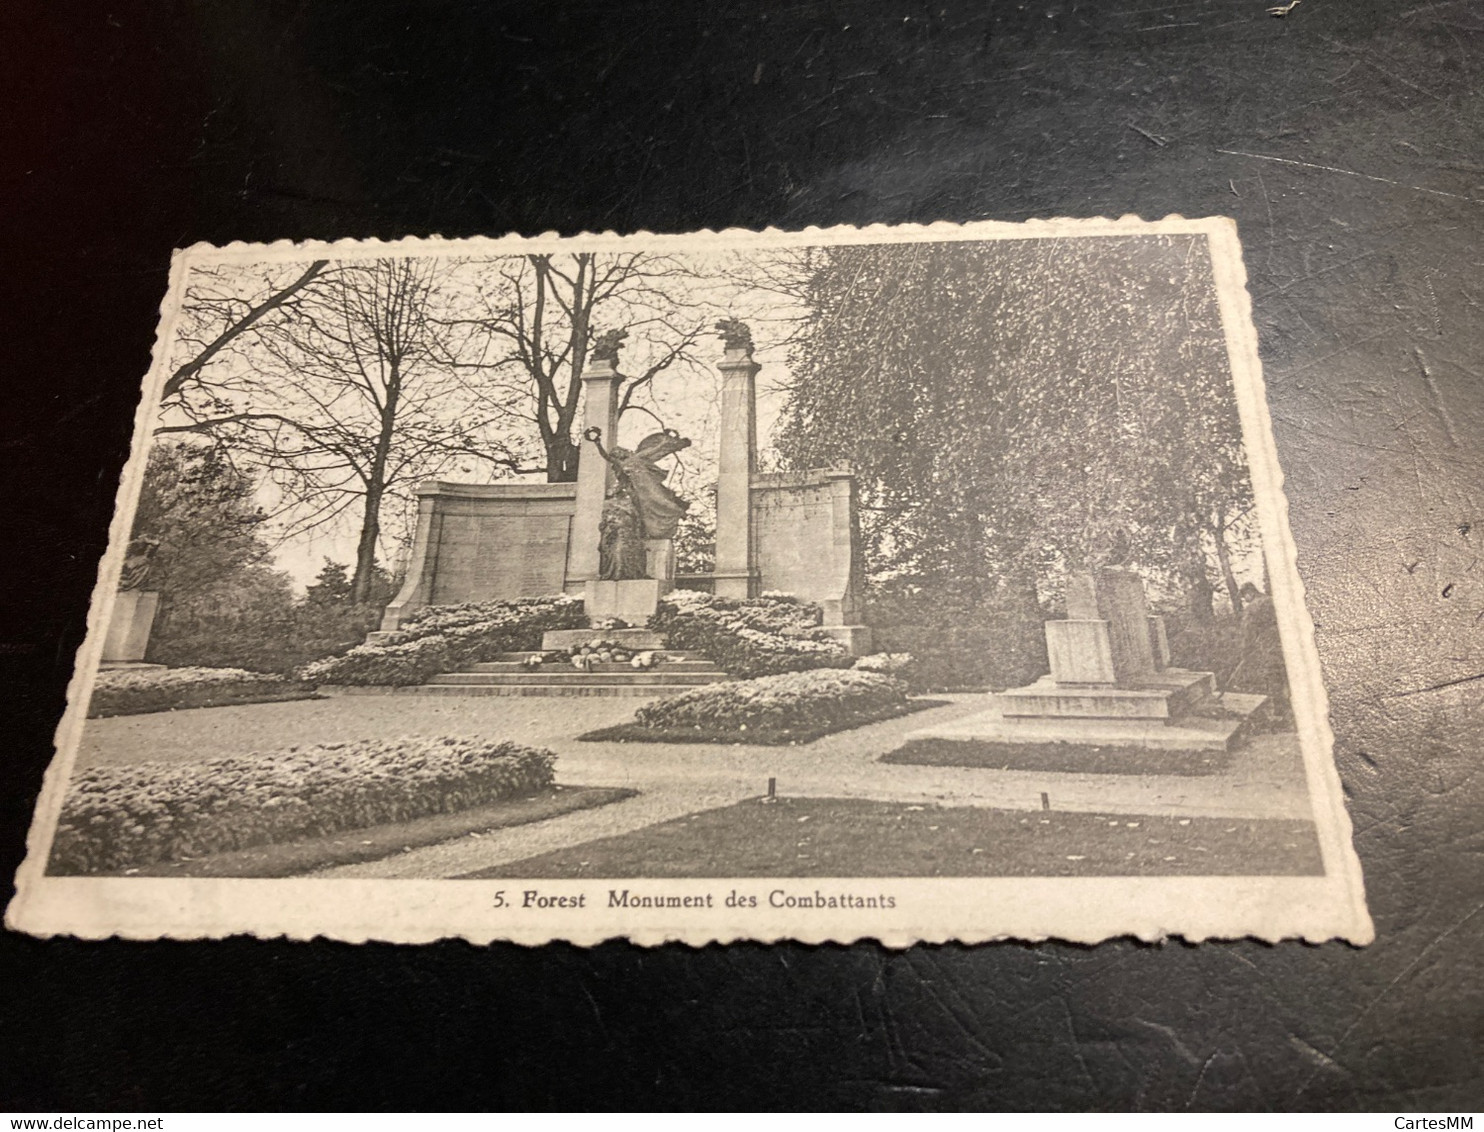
(331, 585)
(202, 512)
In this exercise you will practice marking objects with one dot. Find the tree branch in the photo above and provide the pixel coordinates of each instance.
(193, 367)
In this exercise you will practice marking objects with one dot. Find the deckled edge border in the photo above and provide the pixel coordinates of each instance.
(1230, 279)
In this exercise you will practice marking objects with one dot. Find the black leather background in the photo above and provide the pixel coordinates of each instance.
(135, 126)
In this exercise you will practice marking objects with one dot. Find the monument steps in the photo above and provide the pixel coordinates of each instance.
(508, 676)
(509, 661)
(675, 666)
(564, 689)
(558, 679)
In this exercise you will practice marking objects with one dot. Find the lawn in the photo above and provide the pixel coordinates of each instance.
(1065, 758)
(839, 837)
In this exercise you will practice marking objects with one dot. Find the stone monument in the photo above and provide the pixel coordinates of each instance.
(610, 536)
(134, 608)
(1110, 683)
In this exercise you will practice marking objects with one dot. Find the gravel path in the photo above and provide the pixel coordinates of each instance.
(1264, 780)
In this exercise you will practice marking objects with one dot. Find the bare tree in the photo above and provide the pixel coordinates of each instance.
(216, 313)
(358, 394)
(541, 313)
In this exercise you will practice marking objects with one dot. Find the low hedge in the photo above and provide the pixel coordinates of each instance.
(792, 707)
(446, 638)
(411, 662)
(762, 636)
(133, 691)
(118, 817)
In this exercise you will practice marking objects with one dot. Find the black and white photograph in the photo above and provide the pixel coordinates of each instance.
(918, 583)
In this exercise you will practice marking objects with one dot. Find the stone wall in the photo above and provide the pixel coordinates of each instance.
(486, 542)
(805, 539)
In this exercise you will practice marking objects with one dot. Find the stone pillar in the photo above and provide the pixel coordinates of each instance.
(600, 382)
(129, 626)
(736, 461)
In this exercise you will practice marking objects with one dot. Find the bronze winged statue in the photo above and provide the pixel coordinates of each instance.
(640, 506)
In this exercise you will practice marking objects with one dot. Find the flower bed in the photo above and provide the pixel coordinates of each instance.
(411, 662)
(762, 636)
(117, 817)
(133, 691)
(792, 707)
(448, 637)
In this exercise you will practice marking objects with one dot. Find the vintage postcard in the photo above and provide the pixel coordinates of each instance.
(910, 584)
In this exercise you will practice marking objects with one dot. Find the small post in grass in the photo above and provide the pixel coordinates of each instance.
(1045, 801)
(772, 789)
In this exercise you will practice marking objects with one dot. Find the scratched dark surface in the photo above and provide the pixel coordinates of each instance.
(1344, 138)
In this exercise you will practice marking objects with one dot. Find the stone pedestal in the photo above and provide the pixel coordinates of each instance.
(1110, 683)
(659, 558)
(129, 626)
(633, 600)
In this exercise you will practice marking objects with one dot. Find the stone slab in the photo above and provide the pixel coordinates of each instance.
(1117, 597)
(548, 676)
(1082, 598)
(129, 625)
(805, 540)
(493, 556)
(1174, 694)
(1121, 599)
(609, 666)
(1199, 734)
(129, 666)
(1190, 733)
(640, 639)
(1080, 652)
(634, 690)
